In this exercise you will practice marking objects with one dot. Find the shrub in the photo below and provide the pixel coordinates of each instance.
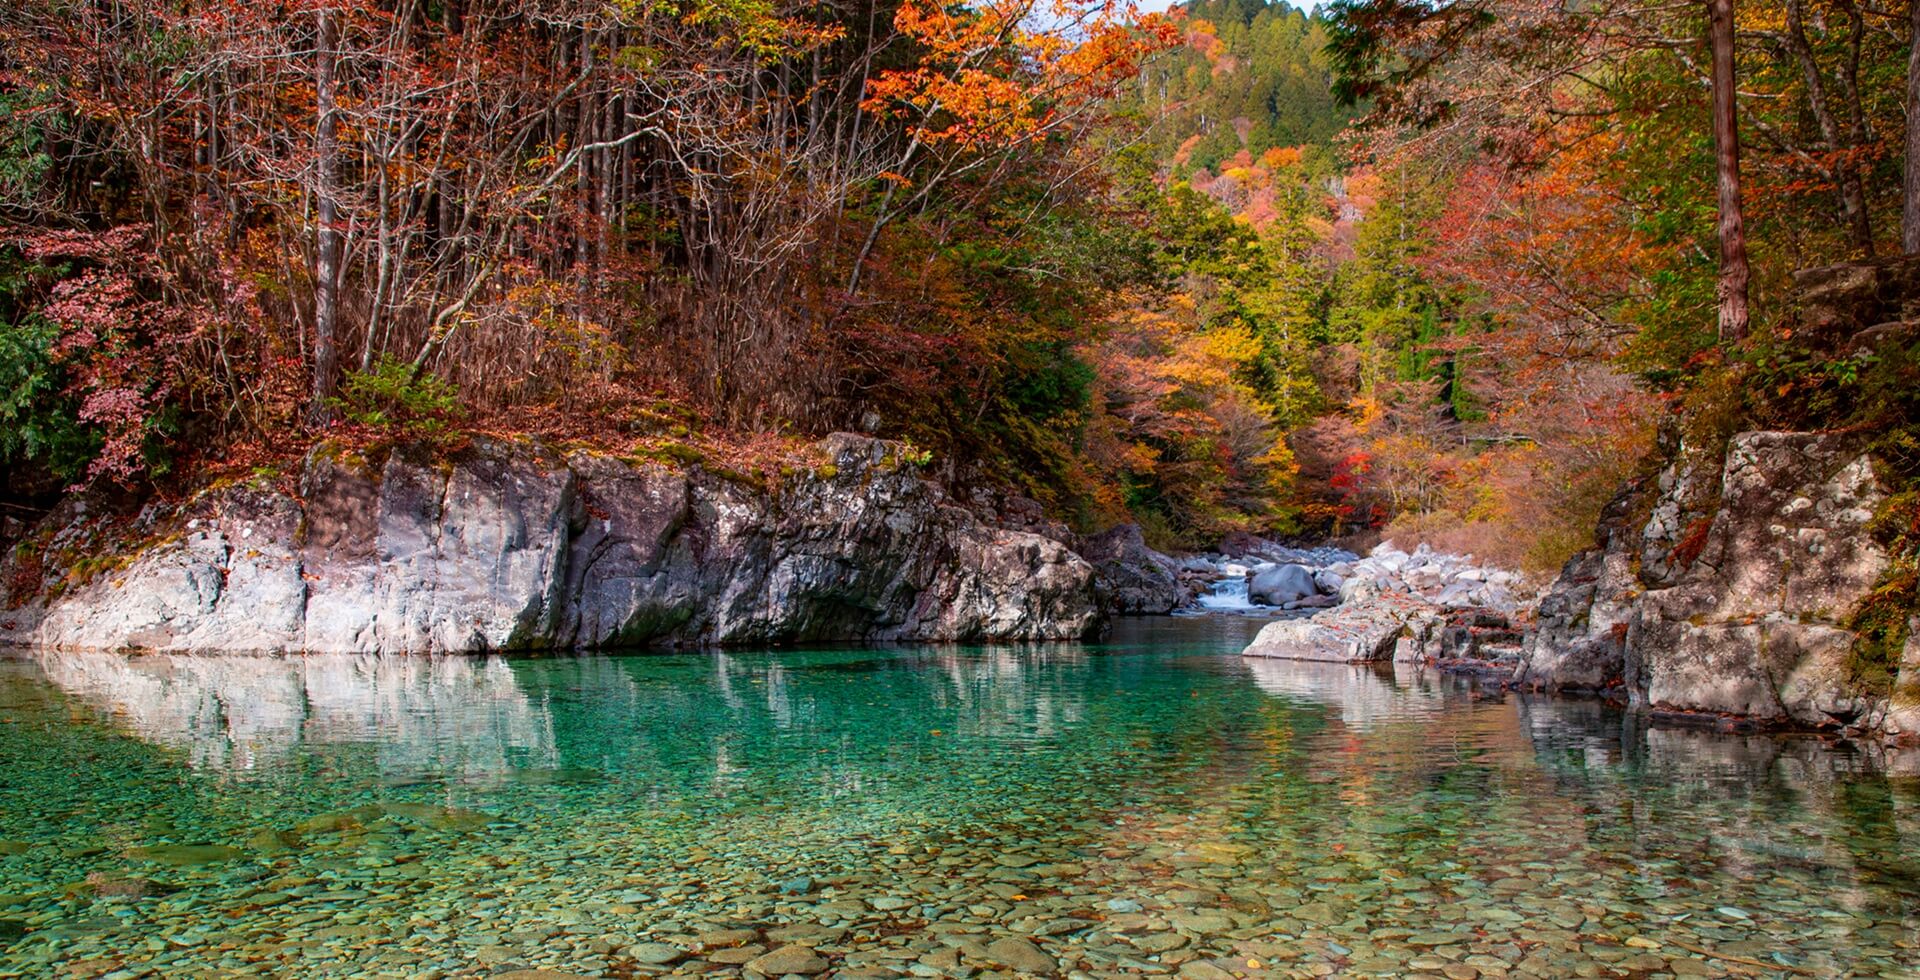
(39, 420)
(401, 404)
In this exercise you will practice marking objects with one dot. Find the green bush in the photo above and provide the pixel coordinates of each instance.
(391, 399)
(39, 420)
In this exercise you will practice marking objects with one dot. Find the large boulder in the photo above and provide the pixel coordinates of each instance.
(1278, 585)
(1353, 633)
(507, 545)
(1129, 576)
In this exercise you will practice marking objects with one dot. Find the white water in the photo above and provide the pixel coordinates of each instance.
(1228, 595)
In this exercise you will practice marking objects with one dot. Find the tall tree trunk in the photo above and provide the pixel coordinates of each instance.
(1910, 209)
(326, 256)
(1732, 288)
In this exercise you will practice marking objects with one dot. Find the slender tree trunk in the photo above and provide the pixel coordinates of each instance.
(1844, 170)
(326, 256)
(1910, 209)
(1732, 288)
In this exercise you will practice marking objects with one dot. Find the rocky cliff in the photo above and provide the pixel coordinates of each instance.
(509, 545)
(1735, 593)
(1731, 583)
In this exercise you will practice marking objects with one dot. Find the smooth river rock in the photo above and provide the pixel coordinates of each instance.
(1281, 584)
(789, 959)
(1357, 632)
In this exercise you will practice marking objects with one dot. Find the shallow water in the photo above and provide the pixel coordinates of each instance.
(1152, 805)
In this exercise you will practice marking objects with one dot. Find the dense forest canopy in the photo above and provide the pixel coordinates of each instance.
(1432, 268)
(231, 224)
(1250, 76)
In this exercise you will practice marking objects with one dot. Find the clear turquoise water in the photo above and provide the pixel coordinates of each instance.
(1154, 805)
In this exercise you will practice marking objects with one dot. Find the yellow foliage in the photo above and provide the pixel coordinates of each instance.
(1367, 412)
(1234, 344)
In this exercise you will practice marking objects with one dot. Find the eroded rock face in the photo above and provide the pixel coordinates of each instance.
(1738, 604)
(1132, 577)
(509, 546)
(1578, 642)
(1753, 625)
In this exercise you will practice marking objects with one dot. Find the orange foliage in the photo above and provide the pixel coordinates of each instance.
(1279, 157)
(1177, 420)
(987, 78)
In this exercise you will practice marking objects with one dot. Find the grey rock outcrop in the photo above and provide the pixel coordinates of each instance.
(511, 546)
(1739, 603)
(1754, 625)
(1578, 642)
(1130, 576)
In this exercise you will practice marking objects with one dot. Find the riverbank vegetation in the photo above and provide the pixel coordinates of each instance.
(1425, 270)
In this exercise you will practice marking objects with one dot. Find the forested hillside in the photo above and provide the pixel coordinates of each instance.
(1432, 269)
(1249, 76)
(232, 228)
(1405, 399)
(1475, 302)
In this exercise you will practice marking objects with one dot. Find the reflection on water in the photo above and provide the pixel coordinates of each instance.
(439, 715)
(1365, 695)
(1140, 806)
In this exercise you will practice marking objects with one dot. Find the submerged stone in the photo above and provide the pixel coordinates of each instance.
(438, 817)
(788, 959)
(333, 823)
(122, 888)
(185, 854)
(272, 843)
(655, 953)
(1020, 954)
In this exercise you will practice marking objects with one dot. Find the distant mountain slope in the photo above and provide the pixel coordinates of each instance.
(1252, 77)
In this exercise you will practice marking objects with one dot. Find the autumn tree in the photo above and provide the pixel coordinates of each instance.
(569, 211)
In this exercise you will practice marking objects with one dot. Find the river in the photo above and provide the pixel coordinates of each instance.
(1150, 805)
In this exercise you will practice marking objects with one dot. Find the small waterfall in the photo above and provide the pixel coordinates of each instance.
(1228, 595)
